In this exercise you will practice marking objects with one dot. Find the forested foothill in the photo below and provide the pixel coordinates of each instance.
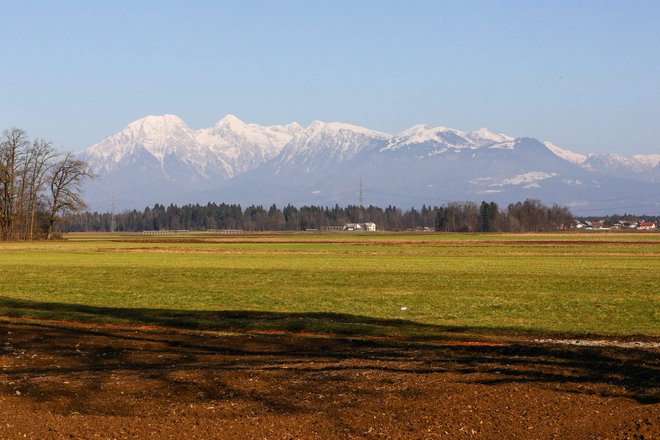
(38, 184)
(528, 216)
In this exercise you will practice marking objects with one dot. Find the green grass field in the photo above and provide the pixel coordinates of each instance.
(606, 284)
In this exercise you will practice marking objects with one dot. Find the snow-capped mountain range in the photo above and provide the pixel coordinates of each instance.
(159, 159)
(227, 148)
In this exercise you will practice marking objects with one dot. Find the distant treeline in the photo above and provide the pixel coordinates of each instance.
(528, 216)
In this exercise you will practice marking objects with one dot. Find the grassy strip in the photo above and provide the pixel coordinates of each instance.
(372, 286)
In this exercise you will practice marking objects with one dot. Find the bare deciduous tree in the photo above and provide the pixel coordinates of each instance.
(36, 182)
(12, 150)
(38, 160)
(66, 179)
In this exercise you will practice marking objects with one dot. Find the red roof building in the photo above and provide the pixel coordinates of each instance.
(646, 225)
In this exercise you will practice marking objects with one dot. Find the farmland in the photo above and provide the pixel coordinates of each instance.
(570, 284)
(330, 336)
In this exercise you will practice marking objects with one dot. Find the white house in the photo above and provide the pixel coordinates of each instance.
(353, 227)
(577, 224)
(370, 227)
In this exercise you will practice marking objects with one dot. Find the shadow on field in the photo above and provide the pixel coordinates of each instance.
(233, 320)
(85, 369)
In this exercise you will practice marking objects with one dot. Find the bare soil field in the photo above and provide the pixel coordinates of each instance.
(91, 381)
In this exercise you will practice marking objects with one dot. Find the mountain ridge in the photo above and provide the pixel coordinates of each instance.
(322, 163)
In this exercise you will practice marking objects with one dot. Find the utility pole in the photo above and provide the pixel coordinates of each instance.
(113, 224)
(360, 196)
(360, 200)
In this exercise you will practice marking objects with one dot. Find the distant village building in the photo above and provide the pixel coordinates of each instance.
(596, 224)
(165, 232)
(352, 227)
(577, 224)
(624, 224)
(370, 227)
(647, 226)
(331, 228)
(356, 227)
(225, 231)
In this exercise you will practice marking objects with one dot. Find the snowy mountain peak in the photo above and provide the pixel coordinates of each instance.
(415, 129)
(610, 162)
(245, 146)
(325, 144)
(292, 129)
(293, 125)
(648, 160)
(155, 125)
(319, 127)
(423, 132)
(570, 156)
(230, 121)
(227, 148)
(159, 136)
(484, 134)
(158, 119)
(234, 130)
(431, 140)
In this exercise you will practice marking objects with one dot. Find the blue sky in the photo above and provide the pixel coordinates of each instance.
(582, 74)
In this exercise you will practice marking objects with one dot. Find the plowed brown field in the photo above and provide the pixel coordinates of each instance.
(68, 381)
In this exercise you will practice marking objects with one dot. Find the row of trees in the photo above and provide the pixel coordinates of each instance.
(527, 216)
(37, 185)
